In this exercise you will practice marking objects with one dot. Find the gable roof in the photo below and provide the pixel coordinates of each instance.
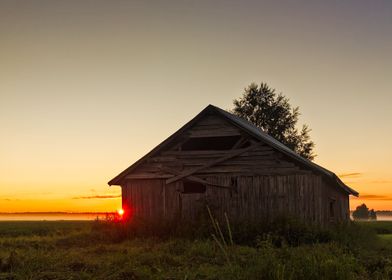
(250, 129)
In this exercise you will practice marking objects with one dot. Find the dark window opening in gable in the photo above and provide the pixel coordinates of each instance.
(245, 145)
(193, 187)
(210, 143)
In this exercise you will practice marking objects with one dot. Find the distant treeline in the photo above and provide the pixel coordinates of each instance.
(381, 212)
(384, 213)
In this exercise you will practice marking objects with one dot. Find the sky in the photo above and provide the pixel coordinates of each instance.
(88, 87)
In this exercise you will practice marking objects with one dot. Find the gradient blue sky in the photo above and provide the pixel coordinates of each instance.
(87, 87)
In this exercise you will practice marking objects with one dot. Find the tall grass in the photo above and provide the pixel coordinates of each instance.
(90, 253)
(218, 236)
(282, 231)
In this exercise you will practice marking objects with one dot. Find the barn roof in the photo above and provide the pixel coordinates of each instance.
(250, 129)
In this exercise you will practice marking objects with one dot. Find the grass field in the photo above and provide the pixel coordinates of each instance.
(386, 237)
(381, 227)
(77, 250)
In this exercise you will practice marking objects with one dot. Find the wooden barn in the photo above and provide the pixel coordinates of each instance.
(224, 161)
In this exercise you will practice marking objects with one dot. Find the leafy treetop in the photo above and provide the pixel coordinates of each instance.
(273, 113)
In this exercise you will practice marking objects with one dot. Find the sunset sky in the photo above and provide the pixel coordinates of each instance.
(88, 87)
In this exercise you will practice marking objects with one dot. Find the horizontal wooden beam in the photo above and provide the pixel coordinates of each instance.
(194, 178)
(213, 153)
(232, 154)
(213, 133)
(149, 176)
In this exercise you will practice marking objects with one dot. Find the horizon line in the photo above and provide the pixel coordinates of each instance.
(57, 212)
(107, 212)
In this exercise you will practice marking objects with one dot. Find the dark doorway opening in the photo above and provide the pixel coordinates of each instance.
(193, 187)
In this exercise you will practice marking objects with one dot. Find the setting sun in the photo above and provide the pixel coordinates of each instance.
(120, 212)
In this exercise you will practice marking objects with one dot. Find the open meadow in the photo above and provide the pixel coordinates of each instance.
(85, 250)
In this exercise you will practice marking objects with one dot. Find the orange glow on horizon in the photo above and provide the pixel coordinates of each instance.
(377, 205)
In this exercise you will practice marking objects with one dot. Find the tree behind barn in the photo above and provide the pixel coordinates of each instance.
(273, 113)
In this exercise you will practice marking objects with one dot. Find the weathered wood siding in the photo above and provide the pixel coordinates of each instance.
(151, 199)
(253, 198)
(262, 160)
(262, 181)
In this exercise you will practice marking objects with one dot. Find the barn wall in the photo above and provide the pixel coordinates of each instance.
(151, 199)
(262, 181)
(252, 198)
(260, 160)
(340, 202)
